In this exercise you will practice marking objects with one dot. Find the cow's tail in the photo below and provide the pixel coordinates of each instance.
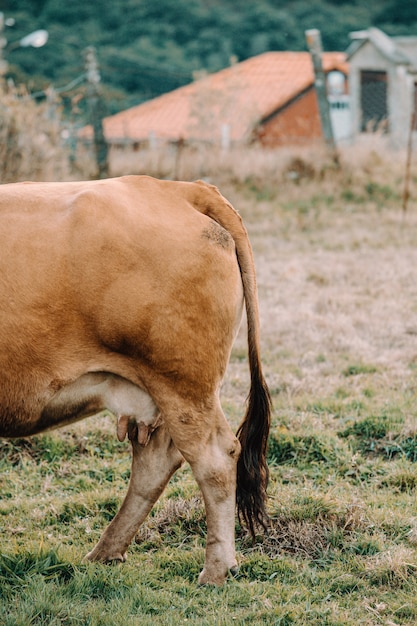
(252, 468)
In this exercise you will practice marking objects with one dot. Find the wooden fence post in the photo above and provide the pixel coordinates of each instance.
(313, 39)
(96, 109)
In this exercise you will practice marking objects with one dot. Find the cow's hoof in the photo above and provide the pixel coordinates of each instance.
(206, 578)
(96, 556)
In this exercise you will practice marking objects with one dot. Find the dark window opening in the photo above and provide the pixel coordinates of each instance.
(374, 106)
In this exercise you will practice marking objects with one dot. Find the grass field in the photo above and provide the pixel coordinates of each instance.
(337, 277)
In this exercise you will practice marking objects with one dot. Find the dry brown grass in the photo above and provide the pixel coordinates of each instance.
(337, 269)
(314, 530)
(310, 530)
(337, 273)
(188, 513)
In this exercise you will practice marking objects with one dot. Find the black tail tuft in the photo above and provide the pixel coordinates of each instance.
(252, 468)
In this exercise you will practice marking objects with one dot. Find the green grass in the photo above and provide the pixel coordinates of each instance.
(342, 531)
(337, 275)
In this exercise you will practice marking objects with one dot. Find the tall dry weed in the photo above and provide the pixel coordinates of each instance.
(238, 165)
(265, 168)
(31, 147)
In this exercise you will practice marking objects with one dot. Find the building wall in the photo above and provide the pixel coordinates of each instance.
(296, 124)
(398, 90)
(340, 117)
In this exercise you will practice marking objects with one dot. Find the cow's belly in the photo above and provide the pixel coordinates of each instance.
(33, 406)
(63, 381)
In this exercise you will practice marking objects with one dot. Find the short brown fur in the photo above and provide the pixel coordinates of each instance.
(126, 294)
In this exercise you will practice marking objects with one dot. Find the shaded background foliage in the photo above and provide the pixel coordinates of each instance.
(147, 48)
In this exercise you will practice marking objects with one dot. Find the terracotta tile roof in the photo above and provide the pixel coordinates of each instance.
(239, 96)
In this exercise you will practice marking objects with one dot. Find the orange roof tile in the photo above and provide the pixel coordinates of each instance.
(239, 96)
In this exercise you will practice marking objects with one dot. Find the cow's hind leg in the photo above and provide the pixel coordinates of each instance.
(152, 466)
(212, 450)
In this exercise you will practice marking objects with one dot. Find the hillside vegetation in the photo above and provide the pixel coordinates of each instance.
(147, 48)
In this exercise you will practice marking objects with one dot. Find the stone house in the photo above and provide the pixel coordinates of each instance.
(382, 83)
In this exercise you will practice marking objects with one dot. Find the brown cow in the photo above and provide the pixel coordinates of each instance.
(126, 294)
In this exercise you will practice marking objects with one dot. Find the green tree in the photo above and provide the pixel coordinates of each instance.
(398, 12)
(146, 48)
